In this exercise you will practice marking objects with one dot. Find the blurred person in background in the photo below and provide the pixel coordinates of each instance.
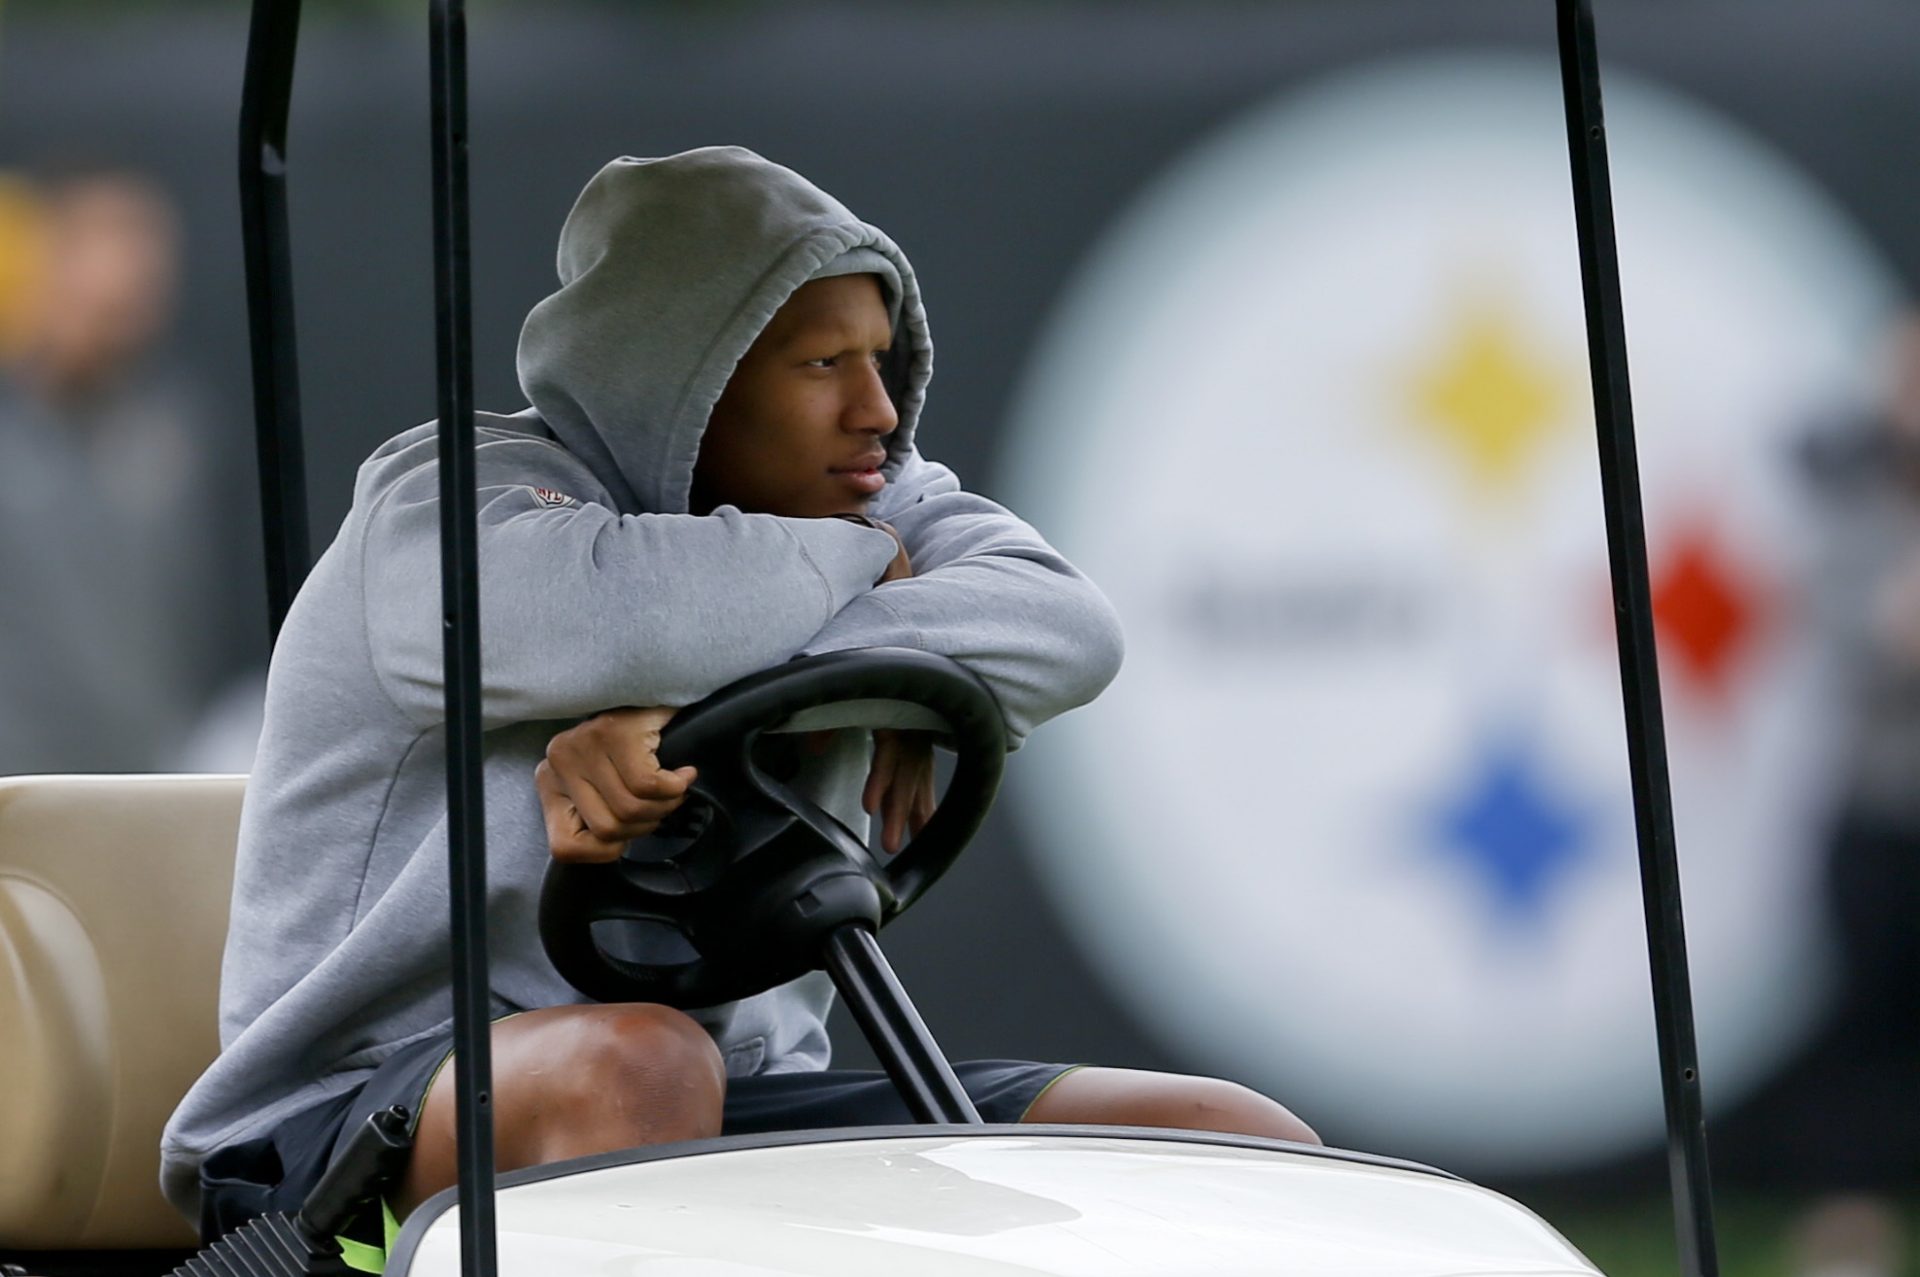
(105, 521)
(1867, 472)
(1861, 1112)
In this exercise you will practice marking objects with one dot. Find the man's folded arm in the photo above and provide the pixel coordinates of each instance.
(582, 608)
(989, 592)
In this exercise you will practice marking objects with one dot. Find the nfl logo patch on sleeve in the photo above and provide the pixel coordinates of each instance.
(548, 497)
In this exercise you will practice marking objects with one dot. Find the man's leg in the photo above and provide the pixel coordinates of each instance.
(573, 1081)
(1130, 1097)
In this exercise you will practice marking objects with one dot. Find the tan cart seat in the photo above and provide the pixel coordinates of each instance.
(113, 912)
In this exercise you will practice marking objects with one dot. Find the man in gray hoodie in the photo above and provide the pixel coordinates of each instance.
(732, 359)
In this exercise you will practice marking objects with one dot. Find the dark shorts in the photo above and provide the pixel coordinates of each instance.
(276, 1171)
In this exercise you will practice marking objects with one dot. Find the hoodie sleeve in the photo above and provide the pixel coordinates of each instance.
(989, 592)
(582, 608)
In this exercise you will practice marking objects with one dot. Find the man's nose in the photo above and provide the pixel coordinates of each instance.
(872, 408)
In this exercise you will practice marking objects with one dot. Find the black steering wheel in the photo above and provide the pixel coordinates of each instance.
(738, 889)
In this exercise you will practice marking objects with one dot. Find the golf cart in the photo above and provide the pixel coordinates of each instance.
(115, 973)
(758, 886)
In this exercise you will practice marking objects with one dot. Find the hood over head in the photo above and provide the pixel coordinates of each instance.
(669, 269)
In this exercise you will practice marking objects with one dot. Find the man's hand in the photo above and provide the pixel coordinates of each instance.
(902, 566)
(601, 785)
(900, 786)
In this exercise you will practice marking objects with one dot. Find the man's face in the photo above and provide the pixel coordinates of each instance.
(111, 280)
(800, 429)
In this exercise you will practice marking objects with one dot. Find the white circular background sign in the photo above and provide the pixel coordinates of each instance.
(1354, 823)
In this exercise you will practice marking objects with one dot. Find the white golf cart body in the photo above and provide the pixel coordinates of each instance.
(959, 1202)
(113, 901)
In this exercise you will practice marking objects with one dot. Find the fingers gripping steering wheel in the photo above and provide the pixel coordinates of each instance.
(747, 879)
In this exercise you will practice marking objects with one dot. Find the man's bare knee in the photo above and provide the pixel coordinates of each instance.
(611, 1077)
(574, 1081)
(1129, 1097)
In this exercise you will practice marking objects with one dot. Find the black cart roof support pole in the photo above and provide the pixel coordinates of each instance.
(1633, 622)
(276, 375)
(460, 602)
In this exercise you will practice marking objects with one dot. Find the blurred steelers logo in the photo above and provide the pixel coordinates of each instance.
(1354, 824)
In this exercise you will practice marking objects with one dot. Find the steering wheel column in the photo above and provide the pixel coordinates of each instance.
(899, 1037)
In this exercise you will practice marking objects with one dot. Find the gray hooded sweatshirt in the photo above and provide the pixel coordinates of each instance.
(597, 589)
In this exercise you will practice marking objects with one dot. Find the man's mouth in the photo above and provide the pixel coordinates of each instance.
(863, 476)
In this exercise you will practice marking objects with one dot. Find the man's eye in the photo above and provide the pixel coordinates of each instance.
(825, 361)
(880, 358)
